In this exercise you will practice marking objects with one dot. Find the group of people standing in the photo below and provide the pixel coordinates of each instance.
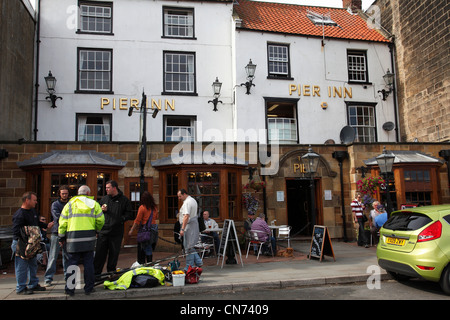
(83, 228)
(377, 218)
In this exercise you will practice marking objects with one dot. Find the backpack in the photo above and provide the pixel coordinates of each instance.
(29, 242)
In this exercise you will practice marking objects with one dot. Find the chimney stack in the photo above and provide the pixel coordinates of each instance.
(354, 5)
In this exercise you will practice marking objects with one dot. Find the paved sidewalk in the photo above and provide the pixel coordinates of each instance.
(353, 264)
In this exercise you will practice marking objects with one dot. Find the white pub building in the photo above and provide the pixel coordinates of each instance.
(288, 76)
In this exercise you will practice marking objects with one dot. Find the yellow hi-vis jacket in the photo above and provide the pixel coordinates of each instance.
(124, 282)
(79, 223)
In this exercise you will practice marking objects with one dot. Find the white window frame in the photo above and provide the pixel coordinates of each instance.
(179, 72)
(94, 70)
(362, 118)
(357, 66)
(282, 123)
(179, 133)
(94, 18)
(93, 132)
(178, 23)
(278, 60)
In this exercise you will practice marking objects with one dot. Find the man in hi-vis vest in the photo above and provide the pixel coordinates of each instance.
(80, 220)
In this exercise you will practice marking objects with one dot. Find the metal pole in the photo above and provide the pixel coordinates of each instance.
(143, 149)
(313, 201)
(388, 195)
(342, 203)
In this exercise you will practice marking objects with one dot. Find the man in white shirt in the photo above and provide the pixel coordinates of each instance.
(211, 224)
(189, 228)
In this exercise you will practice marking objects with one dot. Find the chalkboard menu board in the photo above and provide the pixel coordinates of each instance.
(229, 236)
(321, 243)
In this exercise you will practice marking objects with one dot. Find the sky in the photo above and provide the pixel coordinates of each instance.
(320, 3)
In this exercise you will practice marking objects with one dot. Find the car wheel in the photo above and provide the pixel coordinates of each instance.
(445, 280)
(399, 277)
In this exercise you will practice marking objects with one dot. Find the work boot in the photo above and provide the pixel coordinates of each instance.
(149, 258)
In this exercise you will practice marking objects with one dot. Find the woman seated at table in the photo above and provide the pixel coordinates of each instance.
(264, 231)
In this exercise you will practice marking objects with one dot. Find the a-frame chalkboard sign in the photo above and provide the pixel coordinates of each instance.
(229, 236)
(321, 243)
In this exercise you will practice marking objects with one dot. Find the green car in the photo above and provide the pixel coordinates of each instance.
(415, 243)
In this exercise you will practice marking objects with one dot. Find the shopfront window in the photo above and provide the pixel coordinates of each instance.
(72, 179)
(418, 186)
(204, 187)
(171, 195)
(216, 191)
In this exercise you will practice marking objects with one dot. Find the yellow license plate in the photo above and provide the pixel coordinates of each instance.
(396, 241)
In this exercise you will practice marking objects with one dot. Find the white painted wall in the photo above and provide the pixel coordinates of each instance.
(137, 64)
(221, 51)
(311, 65)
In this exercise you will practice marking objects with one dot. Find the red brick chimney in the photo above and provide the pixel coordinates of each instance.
(354, 5)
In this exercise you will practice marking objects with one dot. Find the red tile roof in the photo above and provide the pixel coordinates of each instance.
(292, 19)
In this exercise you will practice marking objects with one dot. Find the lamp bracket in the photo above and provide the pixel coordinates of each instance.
(53, 99)
(248, 85)
(215, 101)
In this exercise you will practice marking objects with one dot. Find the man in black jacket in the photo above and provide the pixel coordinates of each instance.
(25, 268)
(117, 209)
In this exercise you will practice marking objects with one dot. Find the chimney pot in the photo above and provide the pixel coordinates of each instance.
(354, 5)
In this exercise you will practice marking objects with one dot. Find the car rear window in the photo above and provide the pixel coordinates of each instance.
(447, 218)
(406, 220)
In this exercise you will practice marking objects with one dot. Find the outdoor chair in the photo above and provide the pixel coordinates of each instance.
(284, 234)
(255, 239)
(205, 244)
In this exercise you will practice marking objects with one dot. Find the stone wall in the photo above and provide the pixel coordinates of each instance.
(13, 179)
(421, 36)
(17, 28)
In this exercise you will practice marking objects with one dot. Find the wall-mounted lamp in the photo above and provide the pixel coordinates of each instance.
(50, 81)
(385, 163)
(250, 70)
(389, 80)
(216, 89)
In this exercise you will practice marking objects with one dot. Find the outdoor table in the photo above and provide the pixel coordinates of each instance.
(275, 228)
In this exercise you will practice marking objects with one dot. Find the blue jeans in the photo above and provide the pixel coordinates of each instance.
(25, 270)
(193, 259)
(53, 257)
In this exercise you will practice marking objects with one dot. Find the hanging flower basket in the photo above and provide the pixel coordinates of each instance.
(250, 202)
(257, 186)
(369, 188)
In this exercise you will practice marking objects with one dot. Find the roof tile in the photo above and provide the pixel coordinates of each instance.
(292, 19)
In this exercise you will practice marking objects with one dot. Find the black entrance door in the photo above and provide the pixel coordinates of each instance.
(298, 207)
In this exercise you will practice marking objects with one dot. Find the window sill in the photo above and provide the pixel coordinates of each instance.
(279, 78)
(93, 92)
(179, 93)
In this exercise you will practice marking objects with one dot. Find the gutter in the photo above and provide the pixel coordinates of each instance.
(36, 85)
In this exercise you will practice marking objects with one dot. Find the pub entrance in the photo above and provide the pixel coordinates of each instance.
(298, 193)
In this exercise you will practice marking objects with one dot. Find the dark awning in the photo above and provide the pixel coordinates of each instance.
(405, 157)
(72, 157)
